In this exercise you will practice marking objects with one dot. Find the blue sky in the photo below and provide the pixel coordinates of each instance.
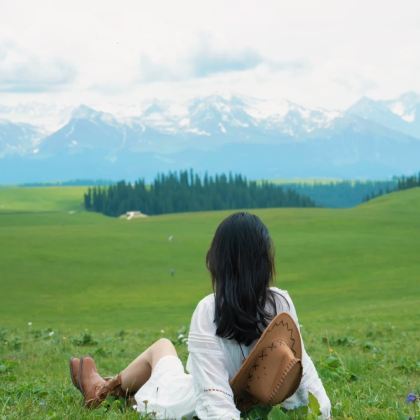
(318, 53)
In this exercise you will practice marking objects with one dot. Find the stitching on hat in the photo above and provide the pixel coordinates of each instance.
(290, 330)
(262, 355)
(283, 377)
(256, 363)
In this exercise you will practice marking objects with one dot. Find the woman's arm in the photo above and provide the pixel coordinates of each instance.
(207, 364)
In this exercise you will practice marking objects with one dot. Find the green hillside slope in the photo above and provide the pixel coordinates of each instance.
(330, 260)
(37, 199)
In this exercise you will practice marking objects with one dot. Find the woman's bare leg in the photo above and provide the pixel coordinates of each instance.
(135, 375)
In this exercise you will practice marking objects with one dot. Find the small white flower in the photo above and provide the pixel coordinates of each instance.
(29, 324)
(162, 331)
(51, 333)
(170, 238)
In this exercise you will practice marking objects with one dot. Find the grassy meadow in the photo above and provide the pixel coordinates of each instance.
(75, 283)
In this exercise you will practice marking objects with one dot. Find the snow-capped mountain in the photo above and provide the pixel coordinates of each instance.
(406, 106)
(18, 138)
(214, 115)
(87, 131)
(401, 114)
(215, 133)
(299, 122)
(47, 117)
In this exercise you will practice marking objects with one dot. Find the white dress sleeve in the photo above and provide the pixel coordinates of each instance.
(310, 380)
(207, 365)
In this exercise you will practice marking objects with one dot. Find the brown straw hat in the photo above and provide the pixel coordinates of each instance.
(273, 370)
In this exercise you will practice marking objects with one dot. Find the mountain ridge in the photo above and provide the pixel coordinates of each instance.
(295, 141)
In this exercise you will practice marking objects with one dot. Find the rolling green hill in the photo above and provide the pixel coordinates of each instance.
(56, 260)
(38, 199)
(353, 274)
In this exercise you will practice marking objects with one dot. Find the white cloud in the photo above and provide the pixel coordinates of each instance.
(203, 60)
(325, 53)
(22, 71)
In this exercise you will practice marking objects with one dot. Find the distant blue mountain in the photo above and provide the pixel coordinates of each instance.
(17, 139)
(372, 139)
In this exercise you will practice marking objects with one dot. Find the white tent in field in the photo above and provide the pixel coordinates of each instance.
(135, 214)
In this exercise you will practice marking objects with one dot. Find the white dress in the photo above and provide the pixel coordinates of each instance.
(212, 362)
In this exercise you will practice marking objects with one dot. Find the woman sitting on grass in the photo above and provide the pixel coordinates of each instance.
(224, 329)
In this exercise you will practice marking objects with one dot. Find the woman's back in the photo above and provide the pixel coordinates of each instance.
(213, 361)
(203, 330)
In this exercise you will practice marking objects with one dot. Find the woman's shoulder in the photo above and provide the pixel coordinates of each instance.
(283, 300)
(280, 292)
(284, 303)
(205, 307)
(203, 315)
(207, 300)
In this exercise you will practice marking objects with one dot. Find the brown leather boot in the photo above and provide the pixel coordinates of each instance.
(74, 364)
(94, 387)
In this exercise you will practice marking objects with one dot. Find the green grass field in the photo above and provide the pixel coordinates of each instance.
(42, 199)
(109, 287)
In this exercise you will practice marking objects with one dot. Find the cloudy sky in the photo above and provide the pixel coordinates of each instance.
(107, 54)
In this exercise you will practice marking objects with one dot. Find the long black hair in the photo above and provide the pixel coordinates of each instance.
(241, 264)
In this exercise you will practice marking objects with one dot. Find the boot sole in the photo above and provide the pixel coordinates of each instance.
(90, 403)
(72, 375)
(79, 378)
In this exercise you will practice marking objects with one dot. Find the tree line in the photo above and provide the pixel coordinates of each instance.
(400, 183)
(340, 193)
(405, 182)
(187, 191)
